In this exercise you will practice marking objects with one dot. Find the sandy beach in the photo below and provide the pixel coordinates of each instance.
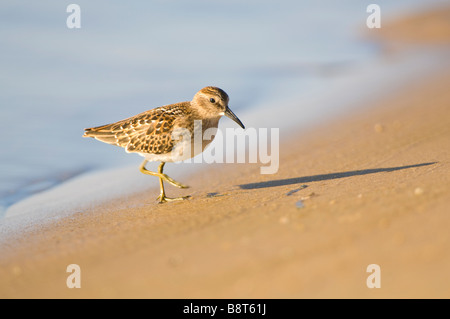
(369, 187)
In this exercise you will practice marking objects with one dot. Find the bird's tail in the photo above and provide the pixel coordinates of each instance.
(104, 133)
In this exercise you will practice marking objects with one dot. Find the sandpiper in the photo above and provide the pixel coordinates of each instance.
(160, 135)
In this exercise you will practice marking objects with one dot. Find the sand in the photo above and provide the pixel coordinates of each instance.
(369, 187)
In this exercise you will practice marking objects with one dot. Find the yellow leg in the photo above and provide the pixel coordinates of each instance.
(161, 175)
(162, 195)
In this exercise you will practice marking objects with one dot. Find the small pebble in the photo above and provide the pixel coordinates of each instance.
(284, 220)
(418, 191)
(211, 194)
(296, 190)
(299, 204)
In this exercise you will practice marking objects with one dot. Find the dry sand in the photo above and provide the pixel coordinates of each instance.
(375, 189)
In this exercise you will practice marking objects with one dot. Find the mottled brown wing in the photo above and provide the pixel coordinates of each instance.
(148, 132)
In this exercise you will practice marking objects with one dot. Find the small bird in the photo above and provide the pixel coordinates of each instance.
(166, 133)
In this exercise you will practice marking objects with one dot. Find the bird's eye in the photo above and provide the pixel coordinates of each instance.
(212, 100)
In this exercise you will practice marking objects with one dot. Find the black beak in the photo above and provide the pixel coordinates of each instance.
(230, 114)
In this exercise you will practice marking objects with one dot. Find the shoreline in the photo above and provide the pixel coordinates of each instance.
(345, 104)
(44, 182)
(135, 180)
(367, 187)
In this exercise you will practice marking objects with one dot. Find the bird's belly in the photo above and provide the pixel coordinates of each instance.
(184, 149)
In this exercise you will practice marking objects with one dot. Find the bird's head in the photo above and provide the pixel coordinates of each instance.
(213, 102)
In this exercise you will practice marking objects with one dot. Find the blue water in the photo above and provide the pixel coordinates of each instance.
(129, 57)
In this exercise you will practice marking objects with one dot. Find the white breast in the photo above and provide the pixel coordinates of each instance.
(188, 145)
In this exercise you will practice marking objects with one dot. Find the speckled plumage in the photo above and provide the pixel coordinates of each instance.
(147, 132)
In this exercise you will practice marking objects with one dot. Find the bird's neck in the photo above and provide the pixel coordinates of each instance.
(208, 120)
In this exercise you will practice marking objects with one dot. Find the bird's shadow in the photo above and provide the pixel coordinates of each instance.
(324, 177)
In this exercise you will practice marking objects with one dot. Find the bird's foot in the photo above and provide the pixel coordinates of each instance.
(163, 199)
